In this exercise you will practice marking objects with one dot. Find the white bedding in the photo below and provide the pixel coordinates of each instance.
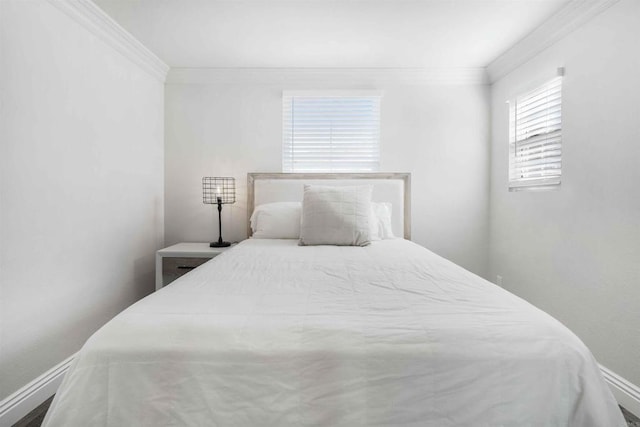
(275, 334)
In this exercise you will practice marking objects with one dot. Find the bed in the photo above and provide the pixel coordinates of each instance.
(271, 333)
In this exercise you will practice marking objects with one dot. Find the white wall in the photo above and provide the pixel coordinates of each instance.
(575, 252)
(233, 125)
(81, 191)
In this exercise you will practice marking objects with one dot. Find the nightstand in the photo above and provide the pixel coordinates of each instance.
(174, 261)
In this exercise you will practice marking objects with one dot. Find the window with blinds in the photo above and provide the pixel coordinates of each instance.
(535, 152)
(331, 132)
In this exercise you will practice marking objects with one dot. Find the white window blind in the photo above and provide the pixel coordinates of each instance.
(331, 132)
(535, 152)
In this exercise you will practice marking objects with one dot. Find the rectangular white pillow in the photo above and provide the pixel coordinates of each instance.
(333, 215)
(381, 221)
(279, 220)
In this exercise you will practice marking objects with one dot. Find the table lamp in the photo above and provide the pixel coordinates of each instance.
(220, 191)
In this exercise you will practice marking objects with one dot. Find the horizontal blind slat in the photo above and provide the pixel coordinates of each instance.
(553, 114)
(550, 137)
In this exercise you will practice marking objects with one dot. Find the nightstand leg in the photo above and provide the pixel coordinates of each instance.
(158, 272)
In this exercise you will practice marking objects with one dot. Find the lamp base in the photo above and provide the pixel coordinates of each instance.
(219, 244)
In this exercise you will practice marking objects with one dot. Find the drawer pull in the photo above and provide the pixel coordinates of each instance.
(186, 267)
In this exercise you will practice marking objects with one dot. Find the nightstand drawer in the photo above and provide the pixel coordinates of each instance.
(179, 259)
(172, 268)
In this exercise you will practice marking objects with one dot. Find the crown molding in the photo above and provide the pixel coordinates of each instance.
(572, 16)
(94, 19)
(354, 76)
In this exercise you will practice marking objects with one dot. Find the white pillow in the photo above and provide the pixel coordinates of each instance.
(280, 220)
(381, 221)
(336, 215)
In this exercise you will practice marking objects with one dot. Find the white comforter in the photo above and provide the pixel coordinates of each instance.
(275, 334)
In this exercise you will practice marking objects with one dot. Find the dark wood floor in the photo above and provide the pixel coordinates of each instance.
(35, 417)
(632, 420)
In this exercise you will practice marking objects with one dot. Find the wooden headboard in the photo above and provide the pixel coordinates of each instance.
(394, 188)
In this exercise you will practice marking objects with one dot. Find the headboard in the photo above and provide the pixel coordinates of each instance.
(288, 187)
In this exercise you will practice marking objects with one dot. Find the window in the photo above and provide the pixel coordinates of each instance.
(535, 141)
(331, 131)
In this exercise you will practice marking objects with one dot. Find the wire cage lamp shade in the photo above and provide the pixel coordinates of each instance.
(219, 191)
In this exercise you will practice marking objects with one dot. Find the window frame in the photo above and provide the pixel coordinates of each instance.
(543, 154)
(370, 144)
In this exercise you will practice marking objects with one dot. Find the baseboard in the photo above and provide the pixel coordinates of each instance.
(25, 400)
(626, 393)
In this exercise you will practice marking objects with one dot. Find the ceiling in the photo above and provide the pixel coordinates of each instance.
(329, 33)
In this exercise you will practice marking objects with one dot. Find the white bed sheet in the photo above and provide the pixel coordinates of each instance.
(274, 334)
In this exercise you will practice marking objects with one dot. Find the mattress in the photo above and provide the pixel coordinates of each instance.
(275, 334)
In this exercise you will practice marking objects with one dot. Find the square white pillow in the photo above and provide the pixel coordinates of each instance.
(334, 215)
(279, 220)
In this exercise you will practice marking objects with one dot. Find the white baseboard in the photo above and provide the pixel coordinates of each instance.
(25, 400)
(626, 393)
